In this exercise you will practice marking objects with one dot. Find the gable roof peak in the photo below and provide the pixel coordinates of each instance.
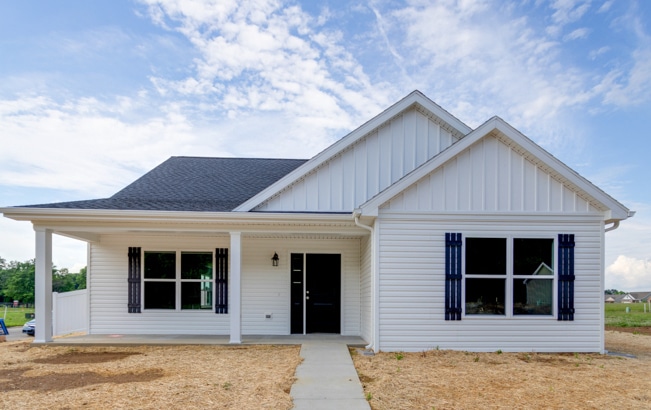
(415, 99)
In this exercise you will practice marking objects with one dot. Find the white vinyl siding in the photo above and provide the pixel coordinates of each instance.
(412, 286)
(490, 176)
(367, 167)
(265, 289)
(108, 287)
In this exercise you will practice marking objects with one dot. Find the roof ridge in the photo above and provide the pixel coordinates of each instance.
(239, 158)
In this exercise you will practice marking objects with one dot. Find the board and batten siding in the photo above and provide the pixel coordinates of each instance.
(265, 289)
(367, 167)
(412, 291)
(490, 176)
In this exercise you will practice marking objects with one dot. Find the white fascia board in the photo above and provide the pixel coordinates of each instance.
(616, 211)
(45, 215)
(415, 97)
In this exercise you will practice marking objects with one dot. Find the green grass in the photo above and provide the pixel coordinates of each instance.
(616, 315)
(15, 316)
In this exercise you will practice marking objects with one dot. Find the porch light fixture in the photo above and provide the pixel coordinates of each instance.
(274, 260)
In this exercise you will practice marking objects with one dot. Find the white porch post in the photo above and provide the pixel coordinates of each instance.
(43, 285)
(235, 308)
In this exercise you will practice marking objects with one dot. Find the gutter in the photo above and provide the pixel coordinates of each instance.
(374, 282)
(106, 215)
(615, 223)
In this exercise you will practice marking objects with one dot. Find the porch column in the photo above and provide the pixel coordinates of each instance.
(43, 285)
(235, 308)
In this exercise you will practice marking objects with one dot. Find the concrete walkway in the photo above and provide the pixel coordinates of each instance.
(327, 378)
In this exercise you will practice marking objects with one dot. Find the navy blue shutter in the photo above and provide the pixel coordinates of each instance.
(453, 244)
(133, 280)
(221, 280)
(565, 277)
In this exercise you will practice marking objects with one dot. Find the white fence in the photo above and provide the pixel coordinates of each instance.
(69, 312)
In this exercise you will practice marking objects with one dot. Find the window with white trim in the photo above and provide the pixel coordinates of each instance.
(178, 280)
(509, 276)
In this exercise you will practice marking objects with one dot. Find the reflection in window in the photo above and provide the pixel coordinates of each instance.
(530, 275)
(192, 279)
(533, 276)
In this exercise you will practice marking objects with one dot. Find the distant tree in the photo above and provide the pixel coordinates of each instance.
(614, 292)
(19, 283)
(17, 280)
(4, 274)
(63, 281)
(81, 278)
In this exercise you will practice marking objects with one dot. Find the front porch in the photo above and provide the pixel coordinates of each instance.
(260, 294)
(159, 340)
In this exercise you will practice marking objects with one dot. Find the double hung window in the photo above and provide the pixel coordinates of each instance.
(178, 280)
(509, 276)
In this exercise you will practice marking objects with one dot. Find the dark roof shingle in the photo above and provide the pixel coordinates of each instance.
(193, 184)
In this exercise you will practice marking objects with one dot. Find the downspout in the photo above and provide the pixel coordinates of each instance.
(614, 226)
(356, 214)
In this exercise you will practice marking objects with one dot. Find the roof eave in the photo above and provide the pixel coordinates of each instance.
(43, 215)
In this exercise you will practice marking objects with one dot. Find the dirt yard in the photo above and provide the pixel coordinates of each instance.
(147, 377)
(463, 380)
(258, 377)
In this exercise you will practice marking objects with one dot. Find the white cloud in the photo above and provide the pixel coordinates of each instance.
(629, 274)
(577, 34)
(605, 6)
(566, 12)
(84, 145)
(633, 86)
(66, 252)
(269, 56)
(479, 60)
(600, 51)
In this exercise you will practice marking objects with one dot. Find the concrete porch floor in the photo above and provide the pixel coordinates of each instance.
(141, 339)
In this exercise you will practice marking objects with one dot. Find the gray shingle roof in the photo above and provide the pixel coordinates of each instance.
(193, 184)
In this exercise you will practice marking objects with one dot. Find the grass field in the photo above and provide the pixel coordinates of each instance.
(616, 315)
(15, 316)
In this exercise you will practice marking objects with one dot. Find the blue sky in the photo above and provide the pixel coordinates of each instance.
(94, 94)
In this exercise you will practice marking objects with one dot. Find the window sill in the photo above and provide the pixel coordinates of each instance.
(504, 317)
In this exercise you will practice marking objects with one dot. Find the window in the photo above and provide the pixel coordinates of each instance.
(178, 280)
(509, 276)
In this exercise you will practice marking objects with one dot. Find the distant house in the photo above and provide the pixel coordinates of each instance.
(643, 297)
(611, 298)
(538, 292)
(631, 297)
(414, 231)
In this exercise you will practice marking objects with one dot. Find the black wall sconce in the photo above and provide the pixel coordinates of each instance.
(275, 259)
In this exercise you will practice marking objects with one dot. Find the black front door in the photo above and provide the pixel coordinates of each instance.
(316, 293)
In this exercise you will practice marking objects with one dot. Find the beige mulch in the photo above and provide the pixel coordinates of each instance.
(464, 380)
(147, 377)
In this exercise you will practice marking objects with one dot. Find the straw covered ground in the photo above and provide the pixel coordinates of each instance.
(259, 377)
(147, 377)
(462, 380)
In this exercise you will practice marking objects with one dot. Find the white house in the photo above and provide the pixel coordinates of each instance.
(414, 231)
